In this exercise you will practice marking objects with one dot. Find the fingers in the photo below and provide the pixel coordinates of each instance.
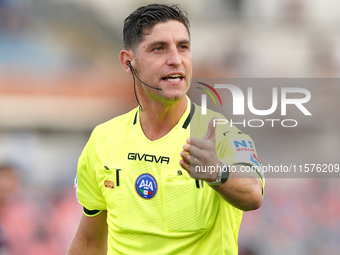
(184, 165)
(210, 135)
(189, 159)
(193, 150)
(199, 143)
(199, 152)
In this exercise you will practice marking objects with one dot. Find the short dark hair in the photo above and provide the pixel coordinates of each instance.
(146, 17)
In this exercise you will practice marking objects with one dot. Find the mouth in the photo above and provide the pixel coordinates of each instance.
(173, 78)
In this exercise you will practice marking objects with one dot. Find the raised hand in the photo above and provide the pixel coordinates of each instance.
(199, 156)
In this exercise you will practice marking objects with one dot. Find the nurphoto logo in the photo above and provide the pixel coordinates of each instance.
(286, 96)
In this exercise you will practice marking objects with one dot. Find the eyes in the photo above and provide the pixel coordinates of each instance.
(160, 48)
(184, 47)
(181, 47)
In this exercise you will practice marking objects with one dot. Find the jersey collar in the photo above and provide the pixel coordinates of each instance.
(185, 119)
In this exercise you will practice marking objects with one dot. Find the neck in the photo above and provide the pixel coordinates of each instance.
(157, 118)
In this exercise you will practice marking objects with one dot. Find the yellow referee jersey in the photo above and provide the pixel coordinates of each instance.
(153, 206)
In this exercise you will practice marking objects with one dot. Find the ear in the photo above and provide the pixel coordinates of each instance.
(124, 56)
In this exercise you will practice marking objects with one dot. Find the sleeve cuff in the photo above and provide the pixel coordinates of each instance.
(91, 213)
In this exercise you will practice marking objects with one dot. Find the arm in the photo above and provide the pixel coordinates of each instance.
(242, 190)
(90, 237)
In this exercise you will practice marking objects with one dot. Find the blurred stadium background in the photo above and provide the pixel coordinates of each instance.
(60, 76)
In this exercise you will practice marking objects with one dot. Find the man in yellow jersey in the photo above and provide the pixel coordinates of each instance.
(134, 175)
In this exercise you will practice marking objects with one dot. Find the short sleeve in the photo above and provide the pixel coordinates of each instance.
(88, 192)
(237, 148)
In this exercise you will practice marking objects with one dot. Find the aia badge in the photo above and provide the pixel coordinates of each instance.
(146, 186)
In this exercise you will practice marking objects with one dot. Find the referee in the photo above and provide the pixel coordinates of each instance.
(141, 177)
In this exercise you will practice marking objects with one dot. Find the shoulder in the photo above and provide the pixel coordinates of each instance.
(118, 123)
(201, 120)
(114, 126)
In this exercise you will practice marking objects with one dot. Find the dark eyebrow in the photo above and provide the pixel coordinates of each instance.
(151, 45)
(161, 43)
(184, 42)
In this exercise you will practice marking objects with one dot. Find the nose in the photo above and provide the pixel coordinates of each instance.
(174, 58)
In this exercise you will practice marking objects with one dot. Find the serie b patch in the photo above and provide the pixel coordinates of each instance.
(109, 184)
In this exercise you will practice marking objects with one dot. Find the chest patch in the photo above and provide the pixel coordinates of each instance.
(146, 186)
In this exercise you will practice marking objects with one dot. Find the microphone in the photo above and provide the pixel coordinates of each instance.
(128, 62)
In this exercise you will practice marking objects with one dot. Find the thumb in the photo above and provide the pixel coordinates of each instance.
(210, 135)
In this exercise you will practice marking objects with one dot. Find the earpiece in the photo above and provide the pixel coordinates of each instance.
(128, 62)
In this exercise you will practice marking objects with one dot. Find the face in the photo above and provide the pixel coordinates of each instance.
(163, 59)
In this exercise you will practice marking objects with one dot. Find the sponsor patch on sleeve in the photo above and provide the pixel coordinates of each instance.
(244, 151)
(75, 185)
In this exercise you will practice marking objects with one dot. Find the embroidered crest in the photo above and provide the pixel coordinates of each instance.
(146, 186)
